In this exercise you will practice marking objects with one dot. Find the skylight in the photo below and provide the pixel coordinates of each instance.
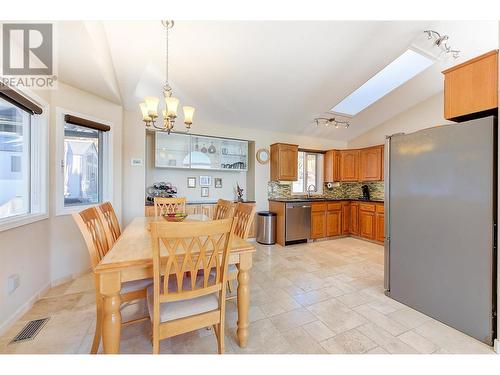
(401, 70)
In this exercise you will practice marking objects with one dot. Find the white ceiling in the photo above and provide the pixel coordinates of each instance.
(274, 75)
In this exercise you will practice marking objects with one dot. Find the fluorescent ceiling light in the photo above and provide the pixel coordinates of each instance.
(404, 68)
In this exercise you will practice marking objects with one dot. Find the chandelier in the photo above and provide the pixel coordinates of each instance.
(149, 107)
(331, 121)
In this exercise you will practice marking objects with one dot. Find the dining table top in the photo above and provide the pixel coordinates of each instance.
(133, 248)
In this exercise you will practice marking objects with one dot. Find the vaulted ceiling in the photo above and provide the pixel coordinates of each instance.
(274, 75)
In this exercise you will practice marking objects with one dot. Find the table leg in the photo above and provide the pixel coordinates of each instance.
(110, 286)
(243, 297)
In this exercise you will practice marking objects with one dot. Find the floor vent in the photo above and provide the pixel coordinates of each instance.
(30, 330)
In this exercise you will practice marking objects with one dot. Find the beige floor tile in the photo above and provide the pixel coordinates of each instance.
(337, 317)
(385, 340)
(409, 318)
(417, 342)
(292, 319)
(349, 342)
(381, 320)
(312, 297)
(355, 299)
(377, 350)
(318, 330)
(451, 340)
(301, 342)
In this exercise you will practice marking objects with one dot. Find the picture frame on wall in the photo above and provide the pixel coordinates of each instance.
(205, 180)
(218, 182)
(204, 191)
(191, 182)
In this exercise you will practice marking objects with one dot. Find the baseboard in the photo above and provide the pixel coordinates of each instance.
(23, 309)
(5, 325)
(496, 346)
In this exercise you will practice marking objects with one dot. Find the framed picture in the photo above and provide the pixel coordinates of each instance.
(191, 182)
(218, 182)
(205, 180)
(204, 191)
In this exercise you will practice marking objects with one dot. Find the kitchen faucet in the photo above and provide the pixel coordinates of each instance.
(309, 190)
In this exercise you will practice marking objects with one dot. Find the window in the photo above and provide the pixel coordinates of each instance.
(85, 154)
(309, 173)
(401, 70)
(82, 165)
(23, 161)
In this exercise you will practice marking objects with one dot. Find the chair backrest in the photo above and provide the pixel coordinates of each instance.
(95, 233)
(169, 205)
(245, 214)
(223, 210)
(194, 261)
(108, 212)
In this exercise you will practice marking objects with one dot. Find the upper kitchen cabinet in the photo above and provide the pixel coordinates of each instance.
(471, 87)
(349, 165)
(332, 166)
(370, 163)
(200, 152)
(172, 151)
(284, 162)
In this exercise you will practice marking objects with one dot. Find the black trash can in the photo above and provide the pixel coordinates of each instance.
(266, 227)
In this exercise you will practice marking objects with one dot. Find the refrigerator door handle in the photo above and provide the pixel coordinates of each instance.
(387, 216)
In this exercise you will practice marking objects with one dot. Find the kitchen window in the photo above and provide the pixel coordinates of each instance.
(23, 160)
(310, 167)
(85, 155)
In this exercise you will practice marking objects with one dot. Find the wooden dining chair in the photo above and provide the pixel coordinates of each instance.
(98, 239)
(108, 212)
(165, 206)
(223, 210)
(244, 214)
(189, 288)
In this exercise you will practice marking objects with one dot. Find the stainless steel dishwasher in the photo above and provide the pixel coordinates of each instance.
(297, 222)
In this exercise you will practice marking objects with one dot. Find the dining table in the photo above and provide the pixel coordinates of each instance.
(130, 259)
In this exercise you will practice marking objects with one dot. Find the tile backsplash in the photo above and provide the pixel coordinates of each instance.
(344, 190)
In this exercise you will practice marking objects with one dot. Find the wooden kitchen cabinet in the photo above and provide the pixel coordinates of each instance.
(334, 222)
(367, 225)
(370, 164)
(318, 224)
(379, 223)
(354, 222)
(332, 166)
(346, 218)
(284, 162)
(349, 165)
(471, 87)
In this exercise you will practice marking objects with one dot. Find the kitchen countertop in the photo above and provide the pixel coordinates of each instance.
(298, 200)
(203, 202)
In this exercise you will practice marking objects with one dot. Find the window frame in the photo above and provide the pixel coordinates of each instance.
(39, 167)
(319, 174)
(106, 168)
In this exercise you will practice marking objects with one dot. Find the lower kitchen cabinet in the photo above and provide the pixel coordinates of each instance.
(346, 218)
(354, 222)
(367, 224)
(318, 224)
(379, 223)
(333, 223)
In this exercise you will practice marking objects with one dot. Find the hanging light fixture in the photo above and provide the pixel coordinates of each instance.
(331, 121)
(149, 108)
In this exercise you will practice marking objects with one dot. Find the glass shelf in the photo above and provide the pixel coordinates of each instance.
(200, 152)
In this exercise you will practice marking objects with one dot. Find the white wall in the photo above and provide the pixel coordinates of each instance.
(425, 114)
(134, 147)
(53, 250)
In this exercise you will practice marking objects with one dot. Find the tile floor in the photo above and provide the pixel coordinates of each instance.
(322, 297)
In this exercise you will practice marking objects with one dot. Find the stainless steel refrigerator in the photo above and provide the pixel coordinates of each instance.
(441, 208)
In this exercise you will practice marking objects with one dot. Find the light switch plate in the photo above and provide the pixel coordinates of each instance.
(13, 283)
(136, 162)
